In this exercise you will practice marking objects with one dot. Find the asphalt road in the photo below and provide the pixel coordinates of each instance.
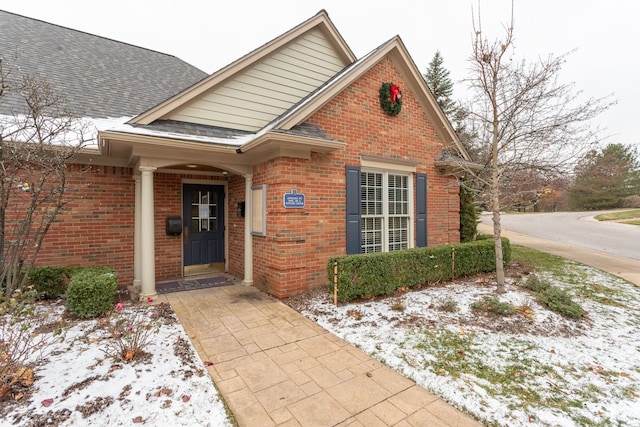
(576, 229)
(611, 247)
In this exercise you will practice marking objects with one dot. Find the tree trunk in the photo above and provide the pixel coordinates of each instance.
(495, 198)
(497, 240)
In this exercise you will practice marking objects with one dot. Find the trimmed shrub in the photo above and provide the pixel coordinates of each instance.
(91, 291)
(49, 282)
(366, 276)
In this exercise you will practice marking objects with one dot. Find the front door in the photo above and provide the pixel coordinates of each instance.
(203, 213)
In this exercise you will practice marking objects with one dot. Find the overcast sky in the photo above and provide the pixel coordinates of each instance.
(211, 33)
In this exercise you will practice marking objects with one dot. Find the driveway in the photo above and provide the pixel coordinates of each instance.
(610, 247)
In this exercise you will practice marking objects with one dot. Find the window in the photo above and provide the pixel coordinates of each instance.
(380, 211)
(204, 211)
(258, 210)
(385, 211)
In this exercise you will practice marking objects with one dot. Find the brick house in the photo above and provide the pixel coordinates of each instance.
(263, 169)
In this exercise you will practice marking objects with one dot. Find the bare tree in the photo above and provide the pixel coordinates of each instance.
(525, 119)
(38, 138)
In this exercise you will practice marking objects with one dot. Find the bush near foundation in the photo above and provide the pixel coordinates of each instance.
(49, 282)
(91, 291)
(369, 275)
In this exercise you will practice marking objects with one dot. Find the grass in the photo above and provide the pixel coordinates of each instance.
(541, 261)
(516, 379)
(569, 272)
(628, 217)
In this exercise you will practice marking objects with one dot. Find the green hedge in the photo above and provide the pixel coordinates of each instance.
(91, 291)
(366, 276)
(49, 282)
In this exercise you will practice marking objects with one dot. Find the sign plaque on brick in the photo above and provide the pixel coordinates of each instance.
(293, 199)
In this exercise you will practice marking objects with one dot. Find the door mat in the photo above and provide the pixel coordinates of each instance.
(192, 284)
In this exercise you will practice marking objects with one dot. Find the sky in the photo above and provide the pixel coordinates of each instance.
(210, 34)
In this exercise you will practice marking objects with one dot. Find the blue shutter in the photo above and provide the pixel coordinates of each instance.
(421, 210)
(353, 209)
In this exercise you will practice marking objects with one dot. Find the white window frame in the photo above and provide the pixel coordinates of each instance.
(258, 210)
(388, 167)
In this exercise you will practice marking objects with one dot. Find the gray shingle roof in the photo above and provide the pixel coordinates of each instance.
(183, 128)
(99, 77)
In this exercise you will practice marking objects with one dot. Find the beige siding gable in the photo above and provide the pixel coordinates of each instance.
(261, 92)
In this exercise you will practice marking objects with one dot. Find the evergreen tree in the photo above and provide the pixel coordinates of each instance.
(438, 80)
(604, 178)
(468, 212)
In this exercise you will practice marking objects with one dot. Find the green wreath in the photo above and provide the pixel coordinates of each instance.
(390, 98)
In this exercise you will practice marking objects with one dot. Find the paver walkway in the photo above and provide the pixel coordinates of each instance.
(273, 367)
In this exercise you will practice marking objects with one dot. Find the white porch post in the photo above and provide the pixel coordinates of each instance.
(137, 236)
(147, 235)
(248, 239)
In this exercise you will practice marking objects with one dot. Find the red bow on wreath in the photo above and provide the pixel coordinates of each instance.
(394, 92)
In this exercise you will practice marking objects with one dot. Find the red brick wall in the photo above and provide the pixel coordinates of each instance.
(167, 200)
(293, 255)
(235, 226)
(96, 226)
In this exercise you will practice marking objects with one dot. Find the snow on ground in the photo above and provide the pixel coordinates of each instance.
(77, 383)
(534, 368)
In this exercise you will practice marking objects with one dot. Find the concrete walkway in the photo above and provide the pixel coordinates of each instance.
(274, 367)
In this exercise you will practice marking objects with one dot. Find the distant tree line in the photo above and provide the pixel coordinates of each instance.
(607, 178)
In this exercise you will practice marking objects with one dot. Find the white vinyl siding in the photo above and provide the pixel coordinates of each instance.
(268, 88)
(386, 211)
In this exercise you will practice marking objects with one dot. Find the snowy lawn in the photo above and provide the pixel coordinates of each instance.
(80, 379)
(534, 367)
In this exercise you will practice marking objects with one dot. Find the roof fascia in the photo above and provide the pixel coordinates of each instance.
(320, 20)
(159, 141)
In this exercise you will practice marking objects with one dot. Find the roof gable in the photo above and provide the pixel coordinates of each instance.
(395, 50)
(259, 87)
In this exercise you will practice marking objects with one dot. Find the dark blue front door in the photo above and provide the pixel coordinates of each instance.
(203, 213)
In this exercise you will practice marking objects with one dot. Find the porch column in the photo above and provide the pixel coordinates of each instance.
(248, 239)
(147, 234)
(137, 236)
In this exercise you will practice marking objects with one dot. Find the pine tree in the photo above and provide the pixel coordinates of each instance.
(438, 80)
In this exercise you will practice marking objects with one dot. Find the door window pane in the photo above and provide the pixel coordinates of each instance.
(204, 211)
